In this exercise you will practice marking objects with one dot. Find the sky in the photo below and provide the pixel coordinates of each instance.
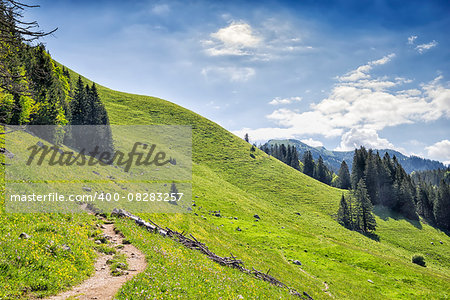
(337, 74)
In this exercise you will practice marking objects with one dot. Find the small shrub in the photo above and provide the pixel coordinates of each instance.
(418, 260)
(105, 249)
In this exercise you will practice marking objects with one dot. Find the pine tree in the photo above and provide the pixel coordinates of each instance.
(365, 220)
(358, 166)
(246, 138)
(321, 171)
(344, 177)
(308, 164)
(405, 199)
(442, 206)
(174, 192)
(371, 177)
(424, 202)
(294, 159)
(344, 213)
(78, 104)
(283, 153)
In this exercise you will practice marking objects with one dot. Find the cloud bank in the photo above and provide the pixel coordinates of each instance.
(359, 106)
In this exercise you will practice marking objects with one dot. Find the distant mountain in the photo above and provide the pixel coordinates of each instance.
(334, 158)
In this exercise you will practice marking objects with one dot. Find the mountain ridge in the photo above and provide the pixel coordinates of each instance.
(334, 158)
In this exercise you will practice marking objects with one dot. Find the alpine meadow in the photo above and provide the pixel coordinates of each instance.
(243, 217)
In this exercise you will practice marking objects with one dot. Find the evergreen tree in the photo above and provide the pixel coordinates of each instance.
(308, 164)
(358, 166)
(79, 105)
(344, 181)
(405, 199)
(424, 202)
(174, 192)
(371, 177)
(364, 218)
(321, 171)
(246, 138)
(294, 159)
(283, 153)
(386, 191)
(344, 213)
(288, 155)
(442, 206)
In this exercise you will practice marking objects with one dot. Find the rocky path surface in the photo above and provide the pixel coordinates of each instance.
(102, 285)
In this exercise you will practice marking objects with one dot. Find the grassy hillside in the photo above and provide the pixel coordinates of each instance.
(296, 223)
(226, 178)
(56, 254)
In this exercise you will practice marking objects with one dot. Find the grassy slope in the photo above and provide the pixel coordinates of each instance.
(40, 265)
(226, 178)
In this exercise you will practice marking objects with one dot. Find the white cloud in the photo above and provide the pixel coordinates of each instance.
(425, 47)
(359, 106)
(234, 74)
(362, 71)
(311, 142)
(440, 151)
(238, 38)
(269, 40)
(279, 101)
(411, 39)
(354, 138)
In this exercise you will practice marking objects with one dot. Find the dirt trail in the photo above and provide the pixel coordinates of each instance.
(102, 285)
(325, 284)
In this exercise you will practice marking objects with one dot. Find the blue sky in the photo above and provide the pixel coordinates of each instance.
(332, 73)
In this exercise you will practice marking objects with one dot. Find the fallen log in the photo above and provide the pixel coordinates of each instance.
(193, 243)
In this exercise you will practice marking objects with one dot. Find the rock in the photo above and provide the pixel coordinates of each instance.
(196, 196)
(297, 213)
(98, 242)
(87, 189)
(441, 242)
(193, 204)
(282, 227)
(240, 297)
(238, 229)
(108, 237)
(23, 235)
(297, 262)
(256, 220)
(8, 154)
(432, 243)
(40, 144)
(256, 216)
(217, 215)
(122, 266)
(66, 248)
(368, 280)
(96, 173)
(235, 218)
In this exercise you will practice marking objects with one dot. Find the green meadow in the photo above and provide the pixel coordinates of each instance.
(296, 221)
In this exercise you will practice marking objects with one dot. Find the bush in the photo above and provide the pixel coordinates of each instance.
(418, 260)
